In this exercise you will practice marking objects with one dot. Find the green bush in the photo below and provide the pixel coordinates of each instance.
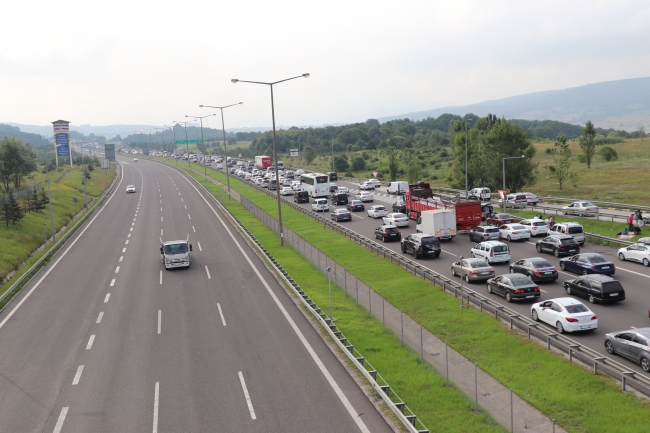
(358, 163)
(609, 140)
(608, 154)
(582, 158)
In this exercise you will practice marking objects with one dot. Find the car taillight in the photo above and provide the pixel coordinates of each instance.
(486, 234)
(594, 317)
(399, 232)
(538, 272)
(491, 254)
(385, 233)
(562, 245)
(519, 291)
(421, 248)
(571, 319)
(537, 289)
(515, 233)
(473, 272)
(593, 267)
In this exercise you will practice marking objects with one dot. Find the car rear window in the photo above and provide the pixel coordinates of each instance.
(542, 264)
(576, 308)
(492, 230)
(430, 241)
(568, 241)
(612, 286)
(477, 265)
(500, 248)
(598, 259)
(538, 223)
(575, 230)
(518, 282)
(391, 229)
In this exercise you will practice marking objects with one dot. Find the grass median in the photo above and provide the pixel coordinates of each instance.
(577, 399)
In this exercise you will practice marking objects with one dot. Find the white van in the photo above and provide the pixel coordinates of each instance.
(320, 205)
(482, 193)
(397, 187)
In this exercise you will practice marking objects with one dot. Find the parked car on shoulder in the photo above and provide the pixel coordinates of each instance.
(355, 206)
(588, 263)
(559, 245)
(500, 219)
(514, 232)
(565, 314)
(633, 344)
(377, 211)
(514, 287)
(421, 245)
(596, 288)
(472, 269)
(388, 232)
(537, 269)
(341, 215)
(580, 208)
(635, 253)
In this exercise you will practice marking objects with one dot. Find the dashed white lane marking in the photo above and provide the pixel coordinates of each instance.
(127, 242)
(188, 215)
(185, 206)
(155, 407)
(208, 272)
(182, 199)
(447, 252)
(160, 277)
(159, 319)
(117, 270)
(248, 398)
(108, 295)
(99, 318)
(90, 342)
(121, 258)
(59, 422)
(161, 209)
(77, 376)
(633, 272)
(132, 224)
(134, 218)
(112, 282)
(358, 216)
(221, 314)
(129, 235)
(199, 244)
(161, 232)
(123, 250)
(193, 229)
(161, 220)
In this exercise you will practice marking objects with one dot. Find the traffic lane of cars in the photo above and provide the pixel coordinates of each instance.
(612, 317)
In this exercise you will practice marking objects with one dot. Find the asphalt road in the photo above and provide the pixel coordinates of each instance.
(105, 340)
(635, 278)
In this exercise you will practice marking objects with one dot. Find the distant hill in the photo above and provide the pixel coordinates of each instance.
(33, 140)
(622, 104)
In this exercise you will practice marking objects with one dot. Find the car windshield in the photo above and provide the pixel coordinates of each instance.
(492, 230)
(542, 264)
(500, 248)
(597, 259)
(477, 265)
(357, 202)
(576, 308)
(172, 249)
(429, 241)
(575, 230)
(518, 282)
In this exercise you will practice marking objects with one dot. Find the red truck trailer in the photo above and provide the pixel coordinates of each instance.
(263, 162)
(420, 197)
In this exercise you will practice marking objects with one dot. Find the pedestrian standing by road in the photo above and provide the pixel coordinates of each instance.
(630, 223)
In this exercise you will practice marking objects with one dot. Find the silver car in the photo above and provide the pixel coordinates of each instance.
(580, 208)
(472, 269)
(484, 233)
(633, 344)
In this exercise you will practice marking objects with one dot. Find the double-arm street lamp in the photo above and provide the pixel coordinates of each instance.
(205, 172)
(275, 145)
(503, 161)
(225, 148)
(187, 145)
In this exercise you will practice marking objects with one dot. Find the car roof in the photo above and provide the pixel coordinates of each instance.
(566, 301)
(515, 275)
(492, 243)
(423, 235)
(341, 210)
(475, 260)
(598, 277)
(536, 259)
(387, 226)
(592, 255)
(490, 227)
(643, 331)
(573, 223)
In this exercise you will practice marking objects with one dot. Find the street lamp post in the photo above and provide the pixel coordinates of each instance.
(275, 144)
(225, 146)
(503, 161)
(187, 145)
(205, 171)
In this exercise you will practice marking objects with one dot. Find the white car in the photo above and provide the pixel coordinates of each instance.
(300, 171)
(219, 166)
(636, 253)
(343, 190)
(565, 314)
(396, 219)
(492, 252)
(514, 232)
(364, 196)
(535, 226)
(135, 159)
(375, 182)
(130, 188)
(580, 208)
(259, 181)
(295, 185)
(377, 211)
(367, 185)
(286, 190)
(320, 205)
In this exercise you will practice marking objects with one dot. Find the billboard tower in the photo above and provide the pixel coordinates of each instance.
(62, 140)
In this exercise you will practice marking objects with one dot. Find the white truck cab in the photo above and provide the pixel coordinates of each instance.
(176, 254)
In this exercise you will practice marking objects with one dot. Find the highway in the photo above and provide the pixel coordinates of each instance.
(635, 278)
(104, 339)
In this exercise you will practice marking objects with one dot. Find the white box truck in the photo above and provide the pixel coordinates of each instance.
(176, 254)
(440, 223)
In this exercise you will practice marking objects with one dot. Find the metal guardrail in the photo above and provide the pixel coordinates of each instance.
(408, 418)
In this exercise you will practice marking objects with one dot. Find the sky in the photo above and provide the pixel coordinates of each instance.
(153, 62)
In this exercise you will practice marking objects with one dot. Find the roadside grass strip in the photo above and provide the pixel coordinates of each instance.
(578, 400)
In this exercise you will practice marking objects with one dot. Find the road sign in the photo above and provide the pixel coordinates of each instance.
(189, 141)
(293, 152)
(106, 164)
(374, 174)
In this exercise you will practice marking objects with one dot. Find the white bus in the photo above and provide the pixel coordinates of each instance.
(317, 184)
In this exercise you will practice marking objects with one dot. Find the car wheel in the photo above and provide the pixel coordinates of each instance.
(472, 254)
(584, 272)
(471, 239)
(645, 364)
(509, 238)
(383, 238)
(512, 270)
(621, 257)
(403, 249)
(453, 271)
(568, 290)
(535, 316)
(466, 277)
(538, 248)
(559, 327)
(416, 255)
(646, 262)
(508, 298)
(489, 288)
(556, 252)
(609, 347)
(562, 265)
(592, 299)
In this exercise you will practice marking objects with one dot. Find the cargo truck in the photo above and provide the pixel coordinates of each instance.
(176, 254)
(263, 162)
(440, 223)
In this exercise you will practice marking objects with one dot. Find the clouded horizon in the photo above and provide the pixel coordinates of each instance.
(146, 62)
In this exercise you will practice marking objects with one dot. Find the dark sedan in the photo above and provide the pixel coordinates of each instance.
(388, 233)
(341, 215)
(514, 287)
(596, 288)
(500, 219)
(558, 245)
(588, 263)
(399, 206)
(537, 268)
(421, 245)
(355, 206)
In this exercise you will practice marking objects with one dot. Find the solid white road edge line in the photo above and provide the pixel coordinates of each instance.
(90, 342)
(155, 407)
(99, 318)
(303, 340)
(59, 422)
(38, 283)
(248, 398)
(77, 376)
(221, 314)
